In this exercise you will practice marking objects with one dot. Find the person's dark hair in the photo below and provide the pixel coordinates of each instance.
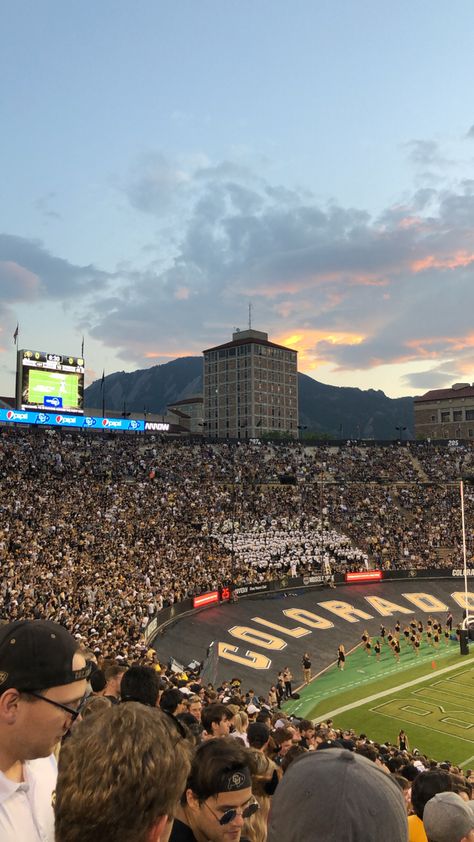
(97, 681)
(192, 725)
(292, 754)
(213, 762)
(281, 735)
(394, 764)
(461, 785)
(113, 670)
(410, 772)
(402, 782)
(170, 700)
(305, 725)
(428, 784)
(368, 751)
(140, 684)
(214, 713)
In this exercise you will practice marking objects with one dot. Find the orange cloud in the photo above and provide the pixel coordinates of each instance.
(410, 222)
(462, 258)
(305, 341)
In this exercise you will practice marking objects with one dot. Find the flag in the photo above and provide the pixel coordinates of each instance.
(102, 382)
(82, 348)
(15, 335)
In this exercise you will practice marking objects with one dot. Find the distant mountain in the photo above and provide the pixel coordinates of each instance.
(339, 411)
(345, 412)
(150, 389)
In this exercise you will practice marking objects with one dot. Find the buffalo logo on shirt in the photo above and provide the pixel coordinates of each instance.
(3, 677)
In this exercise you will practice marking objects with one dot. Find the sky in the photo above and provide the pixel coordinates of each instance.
(166, 164)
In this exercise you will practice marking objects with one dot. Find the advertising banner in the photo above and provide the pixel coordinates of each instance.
(55, 419)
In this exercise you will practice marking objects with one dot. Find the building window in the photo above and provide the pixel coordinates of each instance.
(457, 415)
(445, 417)
(469, 414)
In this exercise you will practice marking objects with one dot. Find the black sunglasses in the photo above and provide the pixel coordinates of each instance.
(230, 815)
(72, 712)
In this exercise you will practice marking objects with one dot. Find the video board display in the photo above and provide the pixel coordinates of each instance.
(50, 381)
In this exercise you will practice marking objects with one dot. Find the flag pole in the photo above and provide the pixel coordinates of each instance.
(102, 386)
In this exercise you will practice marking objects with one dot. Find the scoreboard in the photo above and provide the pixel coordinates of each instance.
(49, 382)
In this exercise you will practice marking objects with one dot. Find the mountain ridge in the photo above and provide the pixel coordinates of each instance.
(338, 411)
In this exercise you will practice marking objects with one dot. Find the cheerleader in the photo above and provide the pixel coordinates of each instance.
(377, 648)
(396, 649)
(341, 657)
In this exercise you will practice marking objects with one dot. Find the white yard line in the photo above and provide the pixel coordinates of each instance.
(331, 713)
(419, 725)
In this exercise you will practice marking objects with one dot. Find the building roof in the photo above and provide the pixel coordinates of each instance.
(197, 399)
(178, 413)
(446, 394)
(249, 341)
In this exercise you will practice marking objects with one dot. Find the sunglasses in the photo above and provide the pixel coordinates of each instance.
(230, 815)
(72, 712)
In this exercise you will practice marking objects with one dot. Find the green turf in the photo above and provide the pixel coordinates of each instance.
(435, 711)
(54, 384)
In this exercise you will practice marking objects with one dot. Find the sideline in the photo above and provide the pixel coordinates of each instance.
(390, 692)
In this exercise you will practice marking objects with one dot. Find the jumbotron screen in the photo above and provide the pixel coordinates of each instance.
(50, 381)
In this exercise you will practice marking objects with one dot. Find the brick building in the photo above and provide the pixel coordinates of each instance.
(250, 387)
(445, 413)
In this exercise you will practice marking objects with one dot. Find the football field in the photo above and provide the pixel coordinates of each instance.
(431, 697)
(54, 384)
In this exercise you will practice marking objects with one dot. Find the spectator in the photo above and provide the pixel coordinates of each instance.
(121, 775)
(218, 796)
(327, 795)
(172, 701)
(113, 674)
(216, 720)
(447, 818)
(265, 779)
(141, 684)
(425, 786)
(258, 735)
(43, 681)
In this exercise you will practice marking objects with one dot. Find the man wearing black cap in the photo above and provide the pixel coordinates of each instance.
(43, 680)
(218, 796)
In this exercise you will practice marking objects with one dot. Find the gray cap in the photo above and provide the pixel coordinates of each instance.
(447, 818)
(327, 795)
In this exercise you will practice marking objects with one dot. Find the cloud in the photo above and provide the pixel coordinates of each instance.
(43, 205)
(350, 291)
(426, 154)
(156, 184)
(37, 273)
(470, 133)
(359, 292)
(434, 378)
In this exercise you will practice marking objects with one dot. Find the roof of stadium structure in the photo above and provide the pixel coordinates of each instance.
(453, 392)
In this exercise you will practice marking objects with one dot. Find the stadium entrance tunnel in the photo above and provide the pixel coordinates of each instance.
(255, 639)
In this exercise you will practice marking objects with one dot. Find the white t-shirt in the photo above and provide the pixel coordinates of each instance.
(26, 810)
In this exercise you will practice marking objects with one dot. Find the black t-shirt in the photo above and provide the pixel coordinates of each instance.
(306, 663)
(181, 832)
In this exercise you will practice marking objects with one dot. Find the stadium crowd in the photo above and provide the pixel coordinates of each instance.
(146, 757)
(100, 532)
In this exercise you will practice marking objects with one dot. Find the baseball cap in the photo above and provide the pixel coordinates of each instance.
(36, 655)
(447, 818)
(337, 794)
(251, 709)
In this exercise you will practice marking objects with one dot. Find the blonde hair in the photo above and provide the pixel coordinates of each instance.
(261, 768)
(241, 721)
